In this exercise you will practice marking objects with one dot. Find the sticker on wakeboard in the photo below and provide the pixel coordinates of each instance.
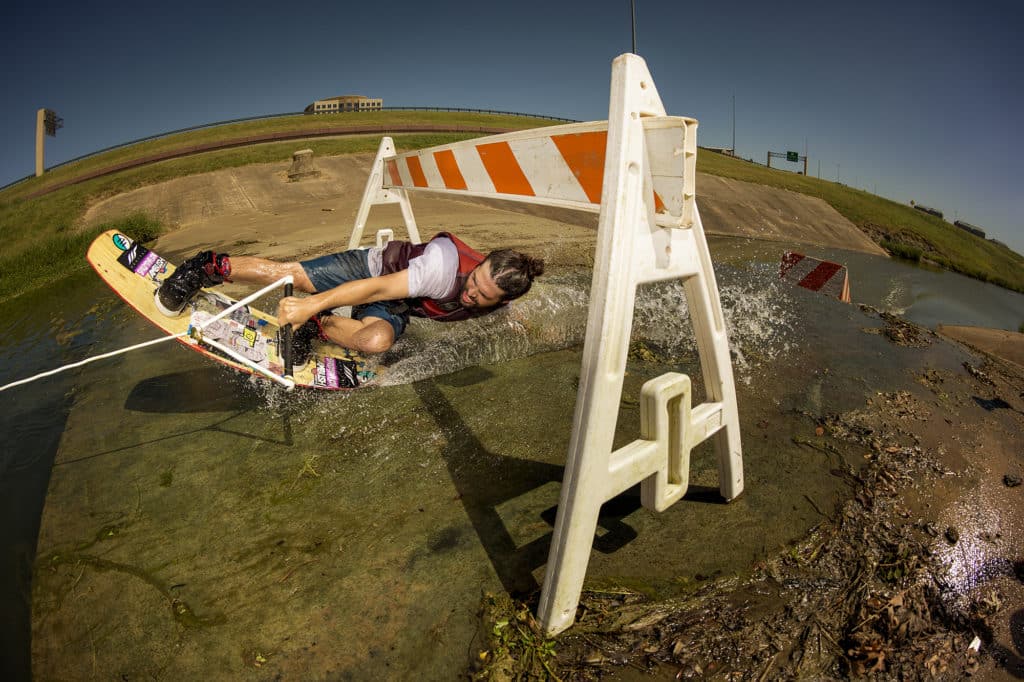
(241, 337)
(336, 373)
(121, 241)
(142, 261)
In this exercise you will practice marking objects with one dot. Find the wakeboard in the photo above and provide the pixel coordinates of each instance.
(135, 272)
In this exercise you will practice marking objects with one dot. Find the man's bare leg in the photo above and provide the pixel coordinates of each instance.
(368, 335)
(254, 270)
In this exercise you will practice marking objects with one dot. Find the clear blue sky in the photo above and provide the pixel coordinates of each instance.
(913, 100)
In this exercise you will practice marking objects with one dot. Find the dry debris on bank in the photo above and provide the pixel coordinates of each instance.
(898, 330)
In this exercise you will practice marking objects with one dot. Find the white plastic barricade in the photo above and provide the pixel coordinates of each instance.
(637, 170)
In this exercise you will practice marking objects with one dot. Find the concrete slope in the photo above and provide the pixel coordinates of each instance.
(255, 209)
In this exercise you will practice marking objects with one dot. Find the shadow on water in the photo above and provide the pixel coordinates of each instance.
(465, 458)
(195, 390)
(32, 433)
(200, 390)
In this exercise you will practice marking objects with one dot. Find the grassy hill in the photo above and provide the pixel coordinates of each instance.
(901, 229)
(44, 237)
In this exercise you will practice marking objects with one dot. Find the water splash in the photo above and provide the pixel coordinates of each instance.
(897, 297)
(552, 317)
(758, 315)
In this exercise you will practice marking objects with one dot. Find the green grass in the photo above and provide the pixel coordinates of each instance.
(55, 255)
(901, 250)
(907, 228)
(46, 234)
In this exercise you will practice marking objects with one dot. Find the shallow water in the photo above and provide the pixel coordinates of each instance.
(352, 535)
(924, 295)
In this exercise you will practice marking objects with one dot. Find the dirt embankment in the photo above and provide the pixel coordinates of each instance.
(257, 205)
(997, 342)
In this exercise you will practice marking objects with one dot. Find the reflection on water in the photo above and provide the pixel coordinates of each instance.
(345, 520)
(42, 330)
(924, 295)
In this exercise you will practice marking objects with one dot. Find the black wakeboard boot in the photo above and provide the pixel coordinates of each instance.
(304, 336)
(205, 269)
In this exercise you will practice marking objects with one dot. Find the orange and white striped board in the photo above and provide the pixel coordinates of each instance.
(560, 165)
(826, 277)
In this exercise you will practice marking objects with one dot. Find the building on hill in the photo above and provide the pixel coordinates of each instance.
(973, 229)
(335, 105)
(927, 209)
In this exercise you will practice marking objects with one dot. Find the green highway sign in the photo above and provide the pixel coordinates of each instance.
(792, 156)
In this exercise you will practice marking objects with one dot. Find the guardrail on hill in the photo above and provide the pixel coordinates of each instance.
(260, 139)
(296, 136)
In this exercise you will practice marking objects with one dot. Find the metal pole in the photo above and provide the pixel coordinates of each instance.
(734, 124)
(632, 11)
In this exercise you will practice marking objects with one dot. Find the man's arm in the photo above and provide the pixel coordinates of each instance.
(296, 311)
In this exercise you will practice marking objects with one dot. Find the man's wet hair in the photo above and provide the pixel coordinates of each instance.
(513, 272)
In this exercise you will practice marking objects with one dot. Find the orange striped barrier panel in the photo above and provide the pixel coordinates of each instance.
(560, 166)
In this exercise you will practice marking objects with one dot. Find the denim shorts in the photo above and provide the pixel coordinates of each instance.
(327, 272)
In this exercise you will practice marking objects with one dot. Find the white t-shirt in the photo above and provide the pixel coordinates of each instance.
(431, 274)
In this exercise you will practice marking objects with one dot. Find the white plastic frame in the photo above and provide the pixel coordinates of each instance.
(647, 152)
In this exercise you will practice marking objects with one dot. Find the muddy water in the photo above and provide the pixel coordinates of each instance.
(199, 524)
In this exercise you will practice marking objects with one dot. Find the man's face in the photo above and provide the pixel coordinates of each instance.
(480, 291)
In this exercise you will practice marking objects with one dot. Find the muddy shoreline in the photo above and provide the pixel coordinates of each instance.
(879, 589)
